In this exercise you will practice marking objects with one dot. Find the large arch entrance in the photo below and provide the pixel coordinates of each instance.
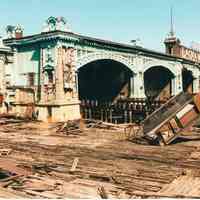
(104, 80)
(158, 83)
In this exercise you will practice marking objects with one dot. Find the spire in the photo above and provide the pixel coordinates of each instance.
(172, 43)
(171, 33)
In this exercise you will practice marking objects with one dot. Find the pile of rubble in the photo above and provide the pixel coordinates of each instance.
(36, 162)
(95, 159)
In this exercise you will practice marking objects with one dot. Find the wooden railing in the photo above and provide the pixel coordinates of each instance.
(123, 111)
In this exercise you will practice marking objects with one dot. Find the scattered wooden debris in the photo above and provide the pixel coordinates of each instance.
(102, 192)
(13, 119)
(123, 169)
(74, 165)
(69, 127)
(5, 152)
(123, 131)
(10, 166)
(104, 125)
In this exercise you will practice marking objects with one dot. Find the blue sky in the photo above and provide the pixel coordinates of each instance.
(117, 20)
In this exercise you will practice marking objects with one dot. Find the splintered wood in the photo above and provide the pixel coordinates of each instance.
(70, 127)
(184, 186)
(41, 163)
(74, 165)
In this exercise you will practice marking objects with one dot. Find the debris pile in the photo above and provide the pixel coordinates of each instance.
(8, 119)
(69, 127)
(76, 168)
(36, 162)
(165, 124)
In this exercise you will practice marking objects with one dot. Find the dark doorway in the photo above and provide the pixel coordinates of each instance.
(187, 78)
(104, 80)
(49, 114)
(157, 83)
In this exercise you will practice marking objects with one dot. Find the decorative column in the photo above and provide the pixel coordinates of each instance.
(15, 63)
(47, 77)
(66, 81)
(138, 82)
(196, 80)
(176, 84)
(132, 87)
(59, 76)
(74, 78)
(41, 77)
(135, 90)
(139, 85)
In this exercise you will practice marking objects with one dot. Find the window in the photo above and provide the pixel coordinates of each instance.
(50, 76)
(8, 80)
(31, 79)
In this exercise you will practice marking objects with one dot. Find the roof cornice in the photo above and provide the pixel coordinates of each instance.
(90, 41)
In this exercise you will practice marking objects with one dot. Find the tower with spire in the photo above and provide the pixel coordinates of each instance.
(172, 43)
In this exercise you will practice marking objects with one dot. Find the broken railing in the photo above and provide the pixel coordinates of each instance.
(123, 111)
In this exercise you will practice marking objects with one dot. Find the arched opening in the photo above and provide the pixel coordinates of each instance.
(187, 79)
(104, 80)
(158, 83)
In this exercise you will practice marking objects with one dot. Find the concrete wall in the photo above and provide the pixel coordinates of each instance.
(24, 96)
(59, 113)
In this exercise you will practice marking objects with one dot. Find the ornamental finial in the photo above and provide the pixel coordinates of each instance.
(56, 23)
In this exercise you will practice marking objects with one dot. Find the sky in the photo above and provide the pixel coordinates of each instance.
(116, 20)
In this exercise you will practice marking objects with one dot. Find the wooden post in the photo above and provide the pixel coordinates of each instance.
(110, 115)
(90, 113)
(130, 116)
(85, 113)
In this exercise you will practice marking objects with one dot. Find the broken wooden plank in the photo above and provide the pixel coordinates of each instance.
(74, 165)
(102, 192)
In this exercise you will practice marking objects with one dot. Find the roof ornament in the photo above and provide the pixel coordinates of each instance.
(14, 31)
(18, 31)
(18, 28)
(137, 42)
(56, 23)
(10, 31)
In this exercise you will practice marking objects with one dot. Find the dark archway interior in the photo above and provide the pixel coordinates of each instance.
(187, 80)
(103, 80)
(157, 82)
